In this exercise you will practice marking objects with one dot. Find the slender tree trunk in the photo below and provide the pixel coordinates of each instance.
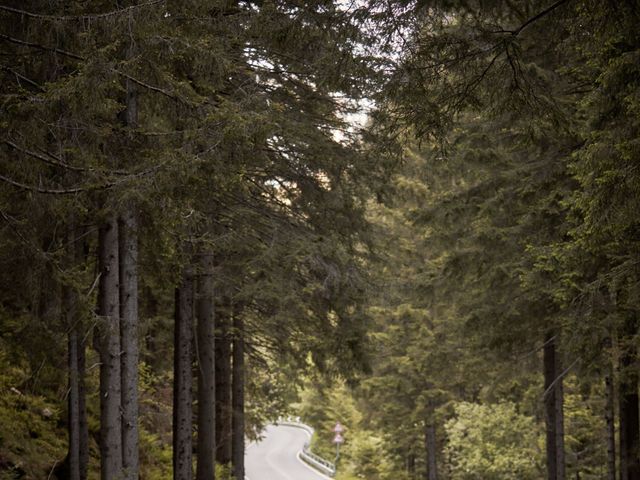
(629, 407)
(182, 383)
(74, 405)
(551, 423)
(108, 343)
(206, 371)
(431, 447)
(611, 427)
(70, 309)
(82, 411)
(559, 416)
(77, 455)
(128, 236)
(238, 397)
(223, 389)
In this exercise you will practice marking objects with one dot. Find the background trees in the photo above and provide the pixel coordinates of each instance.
(162, 133)
(181, 162)
(500, 95)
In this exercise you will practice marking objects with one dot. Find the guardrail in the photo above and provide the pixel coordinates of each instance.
(306, 455)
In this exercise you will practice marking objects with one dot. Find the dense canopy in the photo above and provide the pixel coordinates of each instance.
(418, 218)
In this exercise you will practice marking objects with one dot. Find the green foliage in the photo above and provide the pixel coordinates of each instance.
(30, 441)
(585, 428)
(492, 442)
(234, 150)
(155, 456)
(363, 454)
(514, 213)
(223, 472)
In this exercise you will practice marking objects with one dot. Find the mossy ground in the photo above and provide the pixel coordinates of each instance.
(32, 436)
(33, 427)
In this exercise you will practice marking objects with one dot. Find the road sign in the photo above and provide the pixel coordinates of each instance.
(338, 439)
(338, 428)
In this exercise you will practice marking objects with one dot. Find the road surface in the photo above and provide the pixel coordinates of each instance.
(275, 457)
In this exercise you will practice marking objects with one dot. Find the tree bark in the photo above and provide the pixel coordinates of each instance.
(71, 313)
(108, 342)
(431, 447)
(559, 406)
(74, 403)
(128, 237)
(223, 389)
(182, 383)
(206, 371)
(611, 427)
(554, 417)
(629, 407)
(128, 249)
(238, 397)
(82, 411)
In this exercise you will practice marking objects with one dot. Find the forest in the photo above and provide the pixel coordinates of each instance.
(419, 218)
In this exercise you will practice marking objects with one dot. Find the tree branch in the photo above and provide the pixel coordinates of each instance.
(40, 47)
(514, 69)
(42, 158)
(74, 190)
(50, 191)
(470, 87)
(538, 16)
(559, 378)
(147, 86)
(81, 58)
(11, 222)
(57, 161)
(71, 18)
(19, 77)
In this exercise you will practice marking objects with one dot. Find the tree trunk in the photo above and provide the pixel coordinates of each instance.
(206, 371)
(431, 447)
(223, 389)
(611, 427)
(554, 418)
(108, 343)
(182, 383)
(629, 407)
(74, 402)
(82, 412)
(559, 407)
(128, 236)
(238, 397)
(70, 309)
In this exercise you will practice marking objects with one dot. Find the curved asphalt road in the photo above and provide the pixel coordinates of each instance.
(275, 457)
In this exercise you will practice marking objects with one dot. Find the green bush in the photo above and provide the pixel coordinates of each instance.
(492, 442)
